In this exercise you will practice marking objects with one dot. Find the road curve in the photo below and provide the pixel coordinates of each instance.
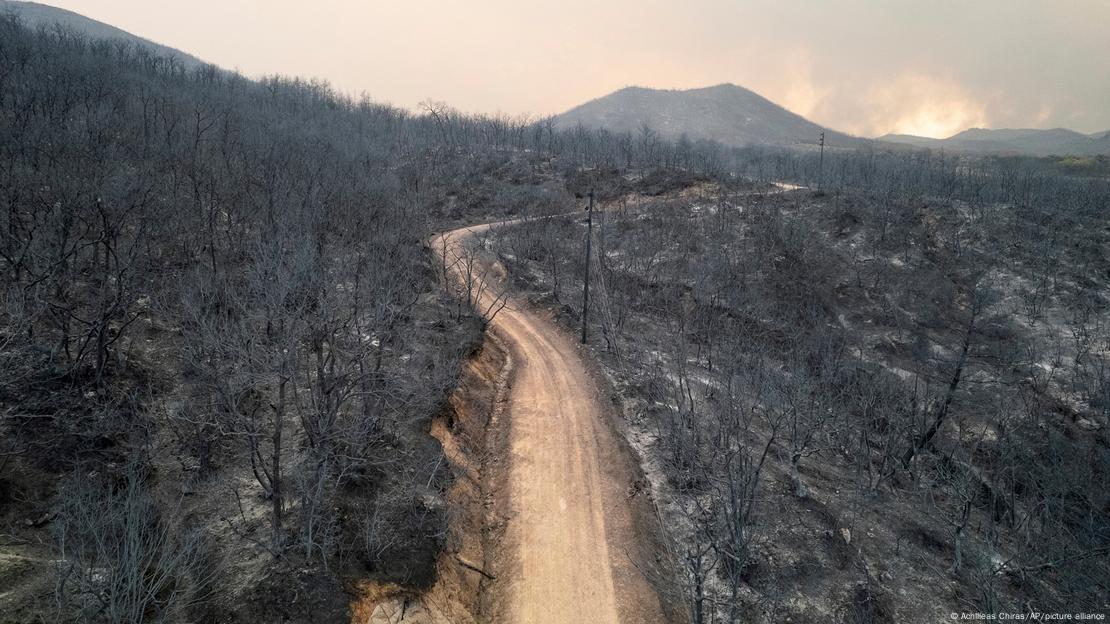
(571, 535)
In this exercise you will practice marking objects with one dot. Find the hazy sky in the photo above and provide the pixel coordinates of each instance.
(930, 67)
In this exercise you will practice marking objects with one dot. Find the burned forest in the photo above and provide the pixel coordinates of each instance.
(270, 352)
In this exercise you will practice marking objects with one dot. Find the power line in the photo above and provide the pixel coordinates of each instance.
(586, 282)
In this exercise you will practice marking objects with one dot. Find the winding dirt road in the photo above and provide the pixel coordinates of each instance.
(572, 532)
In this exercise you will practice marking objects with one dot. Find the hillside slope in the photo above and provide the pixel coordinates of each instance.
(163, 388)
(35, 15)
(727, 113)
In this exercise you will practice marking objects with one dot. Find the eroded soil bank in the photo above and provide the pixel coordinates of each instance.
(474, 437)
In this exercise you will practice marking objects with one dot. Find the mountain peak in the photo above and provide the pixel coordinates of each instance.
(723, 112)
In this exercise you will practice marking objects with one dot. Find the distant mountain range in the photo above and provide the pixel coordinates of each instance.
(727, 113)
(736, 116)
(34, 14)
(1057, 141)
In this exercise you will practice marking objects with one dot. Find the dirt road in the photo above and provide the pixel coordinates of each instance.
(572, 534)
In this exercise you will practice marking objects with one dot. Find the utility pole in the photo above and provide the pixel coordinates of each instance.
(586, 283)
(821, 163)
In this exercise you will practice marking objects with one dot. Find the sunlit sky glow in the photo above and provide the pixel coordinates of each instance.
(927, 67)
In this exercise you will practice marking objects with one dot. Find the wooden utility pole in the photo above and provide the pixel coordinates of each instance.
(821, 163)
(586, 282)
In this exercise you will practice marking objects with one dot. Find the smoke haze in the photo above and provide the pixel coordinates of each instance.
(867, 67)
